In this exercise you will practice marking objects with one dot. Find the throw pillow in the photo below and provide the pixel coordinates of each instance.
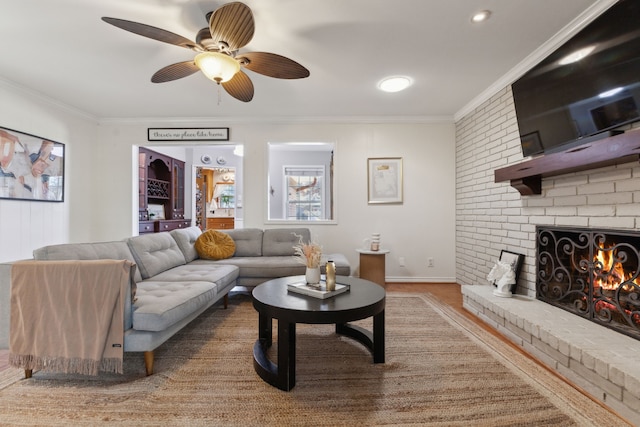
(214, 244)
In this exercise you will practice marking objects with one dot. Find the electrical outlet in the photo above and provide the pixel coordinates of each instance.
(429, 262)
(401, 261)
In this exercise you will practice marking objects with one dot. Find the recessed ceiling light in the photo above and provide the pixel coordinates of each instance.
(394, 84)
(481, 16)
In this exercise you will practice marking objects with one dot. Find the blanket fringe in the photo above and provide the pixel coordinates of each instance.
(66, 365)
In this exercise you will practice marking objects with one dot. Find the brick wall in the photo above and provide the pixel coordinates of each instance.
(494, 216)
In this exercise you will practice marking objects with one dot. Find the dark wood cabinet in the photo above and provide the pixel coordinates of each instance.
(177, 189)
(220, 223)
(145, 227)
(171, 224)
(143, 214)
(161, 187)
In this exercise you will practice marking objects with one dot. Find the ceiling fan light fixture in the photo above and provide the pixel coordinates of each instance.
(394, 84)
(217, 66)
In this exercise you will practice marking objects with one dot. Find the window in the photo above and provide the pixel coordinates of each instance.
(305, 189)
(300, 182)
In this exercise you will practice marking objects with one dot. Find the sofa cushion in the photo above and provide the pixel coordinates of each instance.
(280, 241)
(270, 267)
(221, 274)
(162, 304)
(186, 239)
(248, 241)
(155, 253)
(214, 244)
(87, 251)
(273, 267)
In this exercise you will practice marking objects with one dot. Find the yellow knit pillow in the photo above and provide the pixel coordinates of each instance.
(214, 244)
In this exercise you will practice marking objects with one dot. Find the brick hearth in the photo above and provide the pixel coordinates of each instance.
(603, 362)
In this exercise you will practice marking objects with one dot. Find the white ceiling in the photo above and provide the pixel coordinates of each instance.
(62, 50)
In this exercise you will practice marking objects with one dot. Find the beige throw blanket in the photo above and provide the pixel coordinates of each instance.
(68, 316)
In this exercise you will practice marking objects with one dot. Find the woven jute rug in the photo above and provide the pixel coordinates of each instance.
(441, 370)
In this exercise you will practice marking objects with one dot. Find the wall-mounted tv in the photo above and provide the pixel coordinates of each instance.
(587, 88)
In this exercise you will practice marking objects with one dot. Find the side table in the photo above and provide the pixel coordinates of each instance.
(372, 265)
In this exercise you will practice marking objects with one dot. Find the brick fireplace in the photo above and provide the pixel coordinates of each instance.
(592, 273)
(493, 216)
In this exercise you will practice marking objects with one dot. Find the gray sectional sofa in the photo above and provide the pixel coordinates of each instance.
(174, 285)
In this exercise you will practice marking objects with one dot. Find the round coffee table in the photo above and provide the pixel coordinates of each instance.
(272, 300)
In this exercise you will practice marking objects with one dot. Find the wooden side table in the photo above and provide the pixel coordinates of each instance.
(372, 265)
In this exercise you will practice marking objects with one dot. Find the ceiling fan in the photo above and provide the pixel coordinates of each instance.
(231, 27)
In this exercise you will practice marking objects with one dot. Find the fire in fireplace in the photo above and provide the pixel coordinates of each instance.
(591, 273)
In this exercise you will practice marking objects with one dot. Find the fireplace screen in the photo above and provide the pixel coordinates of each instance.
(593, 274)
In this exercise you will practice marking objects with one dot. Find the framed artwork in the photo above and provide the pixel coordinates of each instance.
(31, 167)
(155, 211)
(384, 182)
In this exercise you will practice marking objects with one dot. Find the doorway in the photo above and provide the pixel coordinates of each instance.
(223, 164)
(215, 198)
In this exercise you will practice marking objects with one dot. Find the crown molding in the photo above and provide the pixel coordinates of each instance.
(40, 97)
(281, 120)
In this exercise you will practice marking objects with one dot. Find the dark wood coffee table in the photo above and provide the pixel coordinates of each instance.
(272, 300)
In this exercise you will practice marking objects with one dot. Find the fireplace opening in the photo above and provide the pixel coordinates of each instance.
(591, 273)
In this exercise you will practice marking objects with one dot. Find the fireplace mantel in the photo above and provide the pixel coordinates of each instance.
(526, 177)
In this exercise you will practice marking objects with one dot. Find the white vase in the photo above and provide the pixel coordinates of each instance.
(313, 275)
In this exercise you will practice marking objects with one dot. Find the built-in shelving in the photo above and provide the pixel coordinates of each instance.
(161, 183)
(526, 177)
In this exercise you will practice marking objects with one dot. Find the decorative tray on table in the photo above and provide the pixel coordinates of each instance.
(317, 291)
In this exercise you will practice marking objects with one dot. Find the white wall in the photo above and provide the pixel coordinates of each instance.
(101, 193)
(493, 216)
(26, 225)
(421, 227)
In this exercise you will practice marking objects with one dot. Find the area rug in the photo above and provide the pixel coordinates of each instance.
(441, 370)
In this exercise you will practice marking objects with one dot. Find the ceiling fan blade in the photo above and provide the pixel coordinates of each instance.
(232, 24)
(152, 33)
(273, 65)
(240, 87)
(175, 72)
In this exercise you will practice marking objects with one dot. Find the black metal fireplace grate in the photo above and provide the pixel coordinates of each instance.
(591, 273)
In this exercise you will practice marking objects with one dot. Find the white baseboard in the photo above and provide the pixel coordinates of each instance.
(400, 279)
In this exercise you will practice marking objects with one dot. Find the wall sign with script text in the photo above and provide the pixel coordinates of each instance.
(191, 134)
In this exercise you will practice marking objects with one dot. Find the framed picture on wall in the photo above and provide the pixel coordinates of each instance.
(31, 167)
(384, 182)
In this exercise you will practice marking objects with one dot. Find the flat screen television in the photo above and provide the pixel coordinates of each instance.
(587, 88)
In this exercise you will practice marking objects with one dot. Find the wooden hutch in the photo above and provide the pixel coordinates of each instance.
(161, 186)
